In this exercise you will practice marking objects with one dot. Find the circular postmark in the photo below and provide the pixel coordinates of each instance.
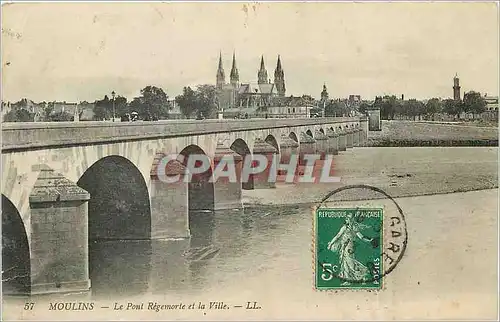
(386, 237)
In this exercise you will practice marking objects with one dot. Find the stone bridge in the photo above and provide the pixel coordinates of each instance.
(65, 184)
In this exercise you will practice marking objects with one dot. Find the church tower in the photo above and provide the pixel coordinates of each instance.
(262, 75)
(235, 77)
(279, 78)
(324, 94)
(221, 77)
(456, 88)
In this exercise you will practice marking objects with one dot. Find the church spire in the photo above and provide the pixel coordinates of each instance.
(278, 65)
(262, 75)
(235, 77)
(279, 78)
(221, 77)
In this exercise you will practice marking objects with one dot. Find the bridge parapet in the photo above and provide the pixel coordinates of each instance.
(26, 136)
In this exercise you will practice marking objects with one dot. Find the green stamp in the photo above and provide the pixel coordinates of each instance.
(348, 248)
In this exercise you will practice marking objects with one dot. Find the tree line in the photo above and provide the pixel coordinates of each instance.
(201, 102)
(391, 107)
(152, 104)
(48, 114)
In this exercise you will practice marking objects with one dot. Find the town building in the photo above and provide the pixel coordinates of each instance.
(491, 102)
(250, 95)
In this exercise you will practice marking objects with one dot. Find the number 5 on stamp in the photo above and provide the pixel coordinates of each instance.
(348, 248)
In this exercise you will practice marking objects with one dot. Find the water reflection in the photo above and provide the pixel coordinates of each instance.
(210, 256)
(120, 267)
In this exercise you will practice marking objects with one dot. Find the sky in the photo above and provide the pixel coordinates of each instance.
(83, 51)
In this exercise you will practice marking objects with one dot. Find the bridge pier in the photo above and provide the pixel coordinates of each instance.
(227, 193)
(342, 140)
(307, 146)
(364, 130)
(288, 148)
(356, 133)
(59, 235)
(333, 142)
(321, 144)
(349, 137)
(169, 201)
(375, 123)
(261, 180)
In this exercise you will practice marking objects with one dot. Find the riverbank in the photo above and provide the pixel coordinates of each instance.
(411, 134)
(401, 172)
(478, 123)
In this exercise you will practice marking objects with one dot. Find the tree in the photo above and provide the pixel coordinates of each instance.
(363, 108)
(388, 107)
(47, 111)
(121, 106)
(200, 102)
(60, 117)
(452, 107)
(153, 103)
(19, 115)
(187, 101)
(398, 108)
(432, 107)
(474, 103)
(413, 108)
(205, 97)
(418, 108)
(103, 109)
(336, 108)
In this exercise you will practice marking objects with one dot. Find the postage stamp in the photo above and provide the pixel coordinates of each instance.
(348, 248)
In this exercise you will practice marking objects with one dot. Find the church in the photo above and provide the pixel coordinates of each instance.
(246, 95)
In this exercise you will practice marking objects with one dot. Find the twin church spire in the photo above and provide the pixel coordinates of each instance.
(234, 77)
(262, 76)
(221, 76)
(279, 78)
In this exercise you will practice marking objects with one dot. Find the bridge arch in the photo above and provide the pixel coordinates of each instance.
(16, 266)
(270, 139)
(309, 132)
(200, 187)
(241, 147)
(293, 136)
(119, 206)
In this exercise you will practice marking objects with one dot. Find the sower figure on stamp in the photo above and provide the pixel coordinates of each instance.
(344, 243)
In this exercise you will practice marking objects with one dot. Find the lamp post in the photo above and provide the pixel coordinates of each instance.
(113, 95)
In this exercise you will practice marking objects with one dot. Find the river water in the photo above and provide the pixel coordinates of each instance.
(265, 254)
(213, 255)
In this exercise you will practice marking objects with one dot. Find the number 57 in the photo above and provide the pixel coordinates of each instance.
(29, 306)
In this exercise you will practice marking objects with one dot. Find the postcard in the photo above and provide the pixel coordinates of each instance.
(250, 161)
